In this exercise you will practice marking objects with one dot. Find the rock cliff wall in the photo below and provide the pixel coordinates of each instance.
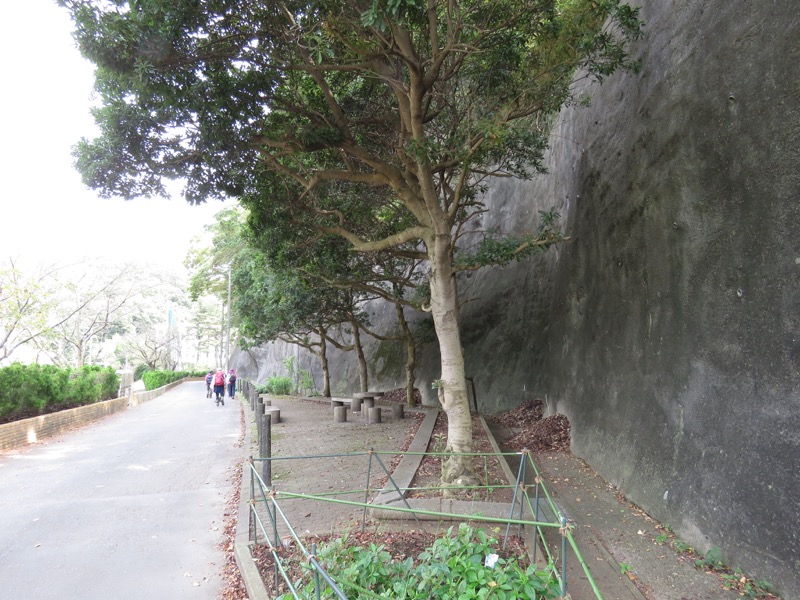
(668, 328)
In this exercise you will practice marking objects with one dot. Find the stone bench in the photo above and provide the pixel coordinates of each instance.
(370, 412)
(364, 395)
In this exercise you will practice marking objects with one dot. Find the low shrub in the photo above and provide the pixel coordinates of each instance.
(28, 390)
(155, 379)
(461, 566)
(278, 385)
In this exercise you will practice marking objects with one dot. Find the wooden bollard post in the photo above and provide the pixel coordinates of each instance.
(258, 417)
(265, 448)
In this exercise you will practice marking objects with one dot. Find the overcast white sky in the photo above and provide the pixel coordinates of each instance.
(47, 214)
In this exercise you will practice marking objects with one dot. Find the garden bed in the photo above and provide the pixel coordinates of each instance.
(488, 469)
(412, 559)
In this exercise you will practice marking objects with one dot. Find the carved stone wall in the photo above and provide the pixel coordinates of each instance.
(668, 328)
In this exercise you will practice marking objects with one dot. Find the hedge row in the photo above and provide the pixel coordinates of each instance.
(155, 379)
(29, 390)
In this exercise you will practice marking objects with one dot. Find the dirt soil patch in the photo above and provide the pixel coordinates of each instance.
(488, 469)
(398, 396)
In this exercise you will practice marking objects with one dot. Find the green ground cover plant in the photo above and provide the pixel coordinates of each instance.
(461, 565)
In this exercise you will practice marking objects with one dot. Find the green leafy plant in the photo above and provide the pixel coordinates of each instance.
(278, 385)
(307, 383)
(746, 587)
(156, 379)
(288, 364)
(624, 568)
(681, 546)
(712, 560)
(454, 566)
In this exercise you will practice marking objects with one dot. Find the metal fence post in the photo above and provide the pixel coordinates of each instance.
(563, 556)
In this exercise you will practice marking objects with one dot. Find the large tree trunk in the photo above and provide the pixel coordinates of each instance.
(363, 375)
(323, 359)
(457, 469)
(411, 355)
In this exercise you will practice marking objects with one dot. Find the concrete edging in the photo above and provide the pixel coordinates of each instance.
(242, 547)
(404, 472)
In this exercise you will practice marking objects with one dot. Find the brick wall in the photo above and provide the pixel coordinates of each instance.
(30, 431)
(35, 429)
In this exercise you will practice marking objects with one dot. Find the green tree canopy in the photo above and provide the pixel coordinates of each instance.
(379, 121)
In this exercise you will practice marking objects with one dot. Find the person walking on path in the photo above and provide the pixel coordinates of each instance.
(209, 381)
(232, 384)
(219, 386)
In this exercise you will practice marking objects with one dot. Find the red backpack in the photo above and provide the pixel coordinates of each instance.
(219, 379)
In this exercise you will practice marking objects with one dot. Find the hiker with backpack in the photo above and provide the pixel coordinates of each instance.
(232, 384)
(219, 386)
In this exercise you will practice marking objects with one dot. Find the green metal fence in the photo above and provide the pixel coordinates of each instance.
(532, 510)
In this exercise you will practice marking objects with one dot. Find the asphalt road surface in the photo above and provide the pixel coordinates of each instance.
(130, 507)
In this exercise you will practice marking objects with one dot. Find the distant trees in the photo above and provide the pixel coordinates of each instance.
(28, 304)
(91, 313)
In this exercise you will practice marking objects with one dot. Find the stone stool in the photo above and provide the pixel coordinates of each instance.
(374, 413)
(274, 413)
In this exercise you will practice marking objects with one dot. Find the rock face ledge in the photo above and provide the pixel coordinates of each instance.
(668, 328)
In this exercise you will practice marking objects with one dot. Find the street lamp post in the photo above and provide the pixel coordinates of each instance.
(228, 336)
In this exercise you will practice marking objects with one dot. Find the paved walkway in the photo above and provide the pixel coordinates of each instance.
(307, 429)
(616, 536)
(130, 507)
(610, 533)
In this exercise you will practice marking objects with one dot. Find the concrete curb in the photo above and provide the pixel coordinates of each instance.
(404, 472)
